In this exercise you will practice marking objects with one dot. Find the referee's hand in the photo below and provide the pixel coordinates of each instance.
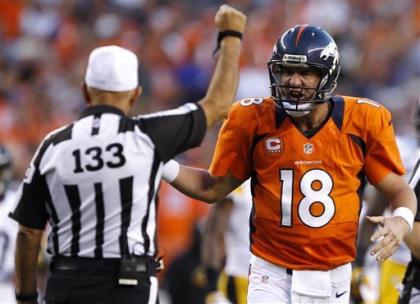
(228, 18)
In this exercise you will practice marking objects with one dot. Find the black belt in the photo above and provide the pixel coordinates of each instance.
(145, 263)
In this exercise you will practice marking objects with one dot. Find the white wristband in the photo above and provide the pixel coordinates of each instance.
(170, 171)
(406, 214)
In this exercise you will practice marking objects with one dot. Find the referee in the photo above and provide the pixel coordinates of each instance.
(95, 180)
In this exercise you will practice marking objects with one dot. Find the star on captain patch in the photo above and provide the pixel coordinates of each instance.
(308, 148)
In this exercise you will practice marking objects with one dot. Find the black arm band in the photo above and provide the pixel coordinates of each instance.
(224, 34)
(26, 297)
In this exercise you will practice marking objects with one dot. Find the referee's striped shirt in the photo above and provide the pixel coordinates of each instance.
(96, 179)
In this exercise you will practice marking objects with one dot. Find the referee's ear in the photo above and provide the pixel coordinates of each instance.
(85, 93)
(136, 95)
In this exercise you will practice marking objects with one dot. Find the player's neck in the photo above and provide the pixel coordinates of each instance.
(315, 118)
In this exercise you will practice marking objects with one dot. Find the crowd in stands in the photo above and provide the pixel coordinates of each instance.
(44, 45)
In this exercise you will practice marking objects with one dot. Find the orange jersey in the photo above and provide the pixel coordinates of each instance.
(306, 191)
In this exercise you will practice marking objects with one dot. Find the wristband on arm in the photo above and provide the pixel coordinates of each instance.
(406, 214)
(170, 171)
(224, 34)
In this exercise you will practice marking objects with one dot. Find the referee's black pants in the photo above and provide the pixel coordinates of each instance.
(95, 281)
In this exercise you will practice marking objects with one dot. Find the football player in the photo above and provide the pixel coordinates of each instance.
(307, 153)
(226, 246)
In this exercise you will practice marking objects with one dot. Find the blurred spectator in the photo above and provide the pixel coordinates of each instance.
(180, 281)
(44, 45)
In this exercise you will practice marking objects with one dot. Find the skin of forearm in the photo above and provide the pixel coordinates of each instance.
(222, 88)
(404, 198)
(213, 250)
(28, 244)
(398, 192)
(199, 184)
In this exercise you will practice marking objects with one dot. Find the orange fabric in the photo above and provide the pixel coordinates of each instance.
(176, 219)
(317, 178)
(10, 12)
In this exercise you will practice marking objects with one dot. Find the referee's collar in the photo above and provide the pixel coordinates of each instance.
(99, 109)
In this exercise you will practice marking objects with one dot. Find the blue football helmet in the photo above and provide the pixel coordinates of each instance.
(304, 46)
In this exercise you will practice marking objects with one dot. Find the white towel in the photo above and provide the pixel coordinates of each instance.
(312, 282)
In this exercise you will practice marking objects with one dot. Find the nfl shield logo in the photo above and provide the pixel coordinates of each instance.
(308, 148)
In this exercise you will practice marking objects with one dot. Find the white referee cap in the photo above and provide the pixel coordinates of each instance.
(112, 68)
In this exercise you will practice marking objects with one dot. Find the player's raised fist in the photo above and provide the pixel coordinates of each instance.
(228, 18)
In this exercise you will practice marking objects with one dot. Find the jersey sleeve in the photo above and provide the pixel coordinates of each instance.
(175, 131)
(31, 208)
(232, 153)
(382, 156)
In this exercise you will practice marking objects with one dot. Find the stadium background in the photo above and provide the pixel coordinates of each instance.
(44, 45)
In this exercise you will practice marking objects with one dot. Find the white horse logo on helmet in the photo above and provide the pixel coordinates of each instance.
(329, 51)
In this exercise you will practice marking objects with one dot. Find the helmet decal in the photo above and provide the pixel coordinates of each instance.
(299, 34)
(329, 51)
(294, 58)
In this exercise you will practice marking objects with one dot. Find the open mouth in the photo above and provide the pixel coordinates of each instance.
(296, 95)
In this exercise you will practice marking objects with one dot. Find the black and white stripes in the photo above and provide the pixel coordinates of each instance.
(415, 177)
(96, 180)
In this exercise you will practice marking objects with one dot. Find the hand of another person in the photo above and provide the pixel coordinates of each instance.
(389, 235)
(228, 18)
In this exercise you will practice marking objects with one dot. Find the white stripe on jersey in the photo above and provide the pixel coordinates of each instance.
(188, 107)
(416, 175)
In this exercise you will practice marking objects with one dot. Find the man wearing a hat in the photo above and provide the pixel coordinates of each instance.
(95, 180)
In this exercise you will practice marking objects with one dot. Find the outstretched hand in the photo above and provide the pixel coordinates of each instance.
(389, 235)
(228, 18)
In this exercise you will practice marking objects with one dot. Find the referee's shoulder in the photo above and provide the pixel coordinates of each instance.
(60, 134)
(52, 138)
(55, 137)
